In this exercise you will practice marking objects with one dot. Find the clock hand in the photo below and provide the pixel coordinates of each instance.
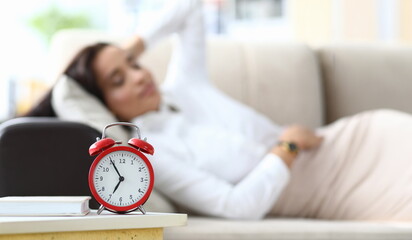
(115, 168)
(121, 179)
(115, 188)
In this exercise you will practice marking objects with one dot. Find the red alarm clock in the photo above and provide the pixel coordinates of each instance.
(121, 177)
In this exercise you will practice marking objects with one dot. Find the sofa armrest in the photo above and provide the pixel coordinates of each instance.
(45, 157)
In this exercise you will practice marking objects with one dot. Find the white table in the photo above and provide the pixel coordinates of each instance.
(92, 226)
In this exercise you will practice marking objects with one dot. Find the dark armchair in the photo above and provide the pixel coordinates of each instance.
(45, 157)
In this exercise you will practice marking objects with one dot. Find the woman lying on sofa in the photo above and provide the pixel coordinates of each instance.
(218, 157)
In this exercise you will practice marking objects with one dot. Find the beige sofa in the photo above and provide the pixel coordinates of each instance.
(291, 83)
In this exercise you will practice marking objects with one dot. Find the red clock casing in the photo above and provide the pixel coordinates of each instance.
(120, 209)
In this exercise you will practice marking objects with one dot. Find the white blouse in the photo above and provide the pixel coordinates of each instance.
(211, 155)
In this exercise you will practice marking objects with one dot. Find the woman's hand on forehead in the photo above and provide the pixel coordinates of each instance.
(134, 47)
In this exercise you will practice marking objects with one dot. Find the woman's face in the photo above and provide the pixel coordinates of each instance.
(128, 89)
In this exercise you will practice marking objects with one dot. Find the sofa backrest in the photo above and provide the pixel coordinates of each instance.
(280, 80)
(358, 78)
(288, 82)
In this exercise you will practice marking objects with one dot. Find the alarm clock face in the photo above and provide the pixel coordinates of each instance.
(121, 178)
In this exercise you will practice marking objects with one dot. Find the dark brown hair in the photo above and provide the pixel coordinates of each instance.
(80, 70)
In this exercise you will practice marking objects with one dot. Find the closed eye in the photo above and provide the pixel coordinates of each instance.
(117, 78)
(134, 64)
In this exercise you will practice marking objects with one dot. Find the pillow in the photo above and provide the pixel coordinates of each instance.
(72, 102)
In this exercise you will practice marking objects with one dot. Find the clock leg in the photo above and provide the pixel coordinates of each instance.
(141, 209)
(101, 208)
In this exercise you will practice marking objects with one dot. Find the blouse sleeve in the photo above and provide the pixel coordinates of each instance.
(185, 18)
(201, 191)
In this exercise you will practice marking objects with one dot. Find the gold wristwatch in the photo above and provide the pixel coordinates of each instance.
(290, 147)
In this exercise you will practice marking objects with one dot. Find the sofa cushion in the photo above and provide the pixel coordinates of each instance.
(284, 82)
(280, 80)
(200, 228)
(359, 78)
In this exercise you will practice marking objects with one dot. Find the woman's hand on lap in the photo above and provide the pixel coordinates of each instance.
(304, 138)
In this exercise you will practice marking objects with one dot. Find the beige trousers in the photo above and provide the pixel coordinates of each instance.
(362, 171)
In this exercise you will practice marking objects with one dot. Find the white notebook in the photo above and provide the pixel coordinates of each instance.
(44, 206)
